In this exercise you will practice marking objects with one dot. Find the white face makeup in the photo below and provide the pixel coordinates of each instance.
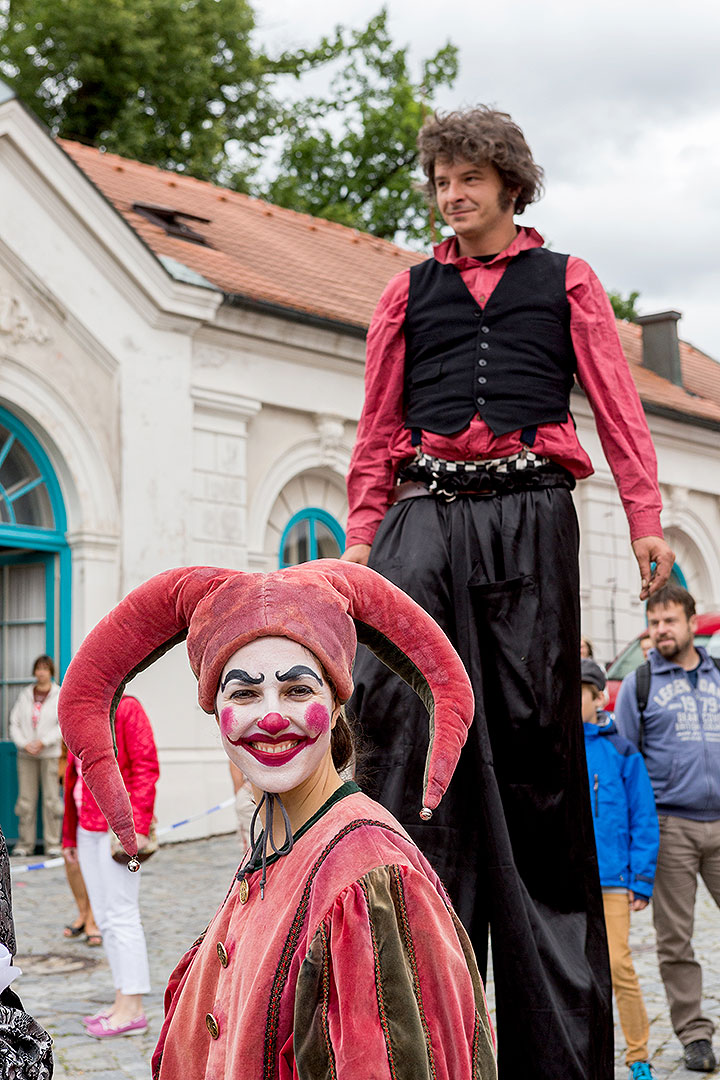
(275, 711)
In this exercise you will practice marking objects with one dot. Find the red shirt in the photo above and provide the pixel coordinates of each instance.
(138, 762)
(383, 443)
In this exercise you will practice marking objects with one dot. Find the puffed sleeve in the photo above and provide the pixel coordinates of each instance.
(389, 988)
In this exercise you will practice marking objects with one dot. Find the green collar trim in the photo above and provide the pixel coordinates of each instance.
(348, 788)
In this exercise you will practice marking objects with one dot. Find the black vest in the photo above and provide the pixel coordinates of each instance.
(513, 362)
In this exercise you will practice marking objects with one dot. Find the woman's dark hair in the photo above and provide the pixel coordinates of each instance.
(482, 136)
(342, 742)
(47, 661)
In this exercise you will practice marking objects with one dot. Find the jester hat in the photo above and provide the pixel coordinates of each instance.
(327, 606)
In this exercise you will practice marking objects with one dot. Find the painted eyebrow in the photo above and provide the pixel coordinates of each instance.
(239, 675)
(294, 672)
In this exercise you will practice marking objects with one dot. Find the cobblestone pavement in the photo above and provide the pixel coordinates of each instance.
(181, 888)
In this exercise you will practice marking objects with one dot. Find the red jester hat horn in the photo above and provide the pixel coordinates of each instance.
(327, 605)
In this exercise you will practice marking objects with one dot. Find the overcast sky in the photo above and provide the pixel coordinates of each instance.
(620, 102)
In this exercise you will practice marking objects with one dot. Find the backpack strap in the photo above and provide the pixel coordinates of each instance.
(642, 693)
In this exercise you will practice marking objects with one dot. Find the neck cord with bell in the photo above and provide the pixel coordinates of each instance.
(258, 848)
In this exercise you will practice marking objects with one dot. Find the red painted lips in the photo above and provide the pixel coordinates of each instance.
(280, 757)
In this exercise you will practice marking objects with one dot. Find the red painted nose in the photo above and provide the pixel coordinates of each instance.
(273, 723)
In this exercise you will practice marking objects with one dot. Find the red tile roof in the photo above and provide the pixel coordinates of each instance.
(257, 250)
(699, 396)
(305, 264)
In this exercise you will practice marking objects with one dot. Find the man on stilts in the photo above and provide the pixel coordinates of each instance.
(459, 491)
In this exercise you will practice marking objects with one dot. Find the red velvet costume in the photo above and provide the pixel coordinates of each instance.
(352, 964)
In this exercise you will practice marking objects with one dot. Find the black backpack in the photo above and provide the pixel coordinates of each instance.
(642, 692)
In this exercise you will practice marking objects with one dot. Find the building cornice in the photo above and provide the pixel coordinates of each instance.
(119, 253)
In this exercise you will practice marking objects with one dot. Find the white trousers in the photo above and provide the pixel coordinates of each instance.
(114, 893)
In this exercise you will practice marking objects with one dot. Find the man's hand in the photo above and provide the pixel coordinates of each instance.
(649, 549)
(70, 855)
(359, 553)
(637, 903)
(33, 747)
(141, 841)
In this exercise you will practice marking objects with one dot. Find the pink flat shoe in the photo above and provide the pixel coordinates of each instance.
(102, 1015)
(102, 1028)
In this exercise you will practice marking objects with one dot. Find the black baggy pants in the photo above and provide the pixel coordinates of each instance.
(513, 837)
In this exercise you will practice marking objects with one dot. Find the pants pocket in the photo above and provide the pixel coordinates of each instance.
(520, 660)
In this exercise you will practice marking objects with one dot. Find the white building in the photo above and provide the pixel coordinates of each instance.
(181, 372)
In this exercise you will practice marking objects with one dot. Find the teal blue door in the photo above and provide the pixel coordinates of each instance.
(35, 583)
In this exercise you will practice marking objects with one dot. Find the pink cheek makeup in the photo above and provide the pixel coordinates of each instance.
(272, 723)
(317, 722)
(317, 719)
(227, 722)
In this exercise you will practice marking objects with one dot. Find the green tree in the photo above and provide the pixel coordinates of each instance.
(352, 156)
(176, 83)
(624, 307)
(182, 85)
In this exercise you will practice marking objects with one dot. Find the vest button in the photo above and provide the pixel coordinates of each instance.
(482, 379)
(482, 363)
(477, 314)
(212, 1025)
(485, 329)
(481, 401)
(484, 345)
(222, 954)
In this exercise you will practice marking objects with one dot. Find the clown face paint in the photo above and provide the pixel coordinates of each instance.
(275, 709)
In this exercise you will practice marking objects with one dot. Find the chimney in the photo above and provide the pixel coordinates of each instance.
(660, 345)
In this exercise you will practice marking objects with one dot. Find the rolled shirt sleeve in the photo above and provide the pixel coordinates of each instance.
(370, 476)
(605, 376)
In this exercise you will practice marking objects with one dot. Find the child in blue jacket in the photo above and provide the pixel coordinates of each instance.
(627, 837)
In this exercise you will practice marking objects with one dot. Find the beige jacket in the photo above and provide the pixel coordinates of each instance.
(48, 729)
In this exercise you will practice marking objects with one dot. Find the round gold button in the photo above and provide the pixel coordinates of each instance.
(244, 891)
(212, 1026)
(222, 954)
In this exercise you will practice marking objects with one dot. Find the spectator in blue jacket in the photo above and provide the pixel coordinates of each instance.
(679, 731)
(626, 835)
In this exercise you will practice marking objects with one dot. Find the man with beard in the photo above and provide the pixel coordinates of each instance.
(675, 720)
(460, 492)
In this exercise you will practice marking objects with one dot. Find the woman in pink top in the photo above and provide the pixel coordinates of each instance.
(336, 952)
(113, 893)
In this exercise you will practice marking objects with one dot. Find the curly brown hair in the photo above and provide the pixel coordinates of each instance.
(482, 136)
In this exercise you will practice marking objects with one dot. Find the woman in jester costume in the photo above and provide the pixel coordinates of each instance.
(336, 952)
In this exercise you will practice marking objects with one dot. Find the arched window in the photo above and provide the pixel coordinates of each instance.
(677, 576)
(24, 494)
(311, 534)
(34, 563)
